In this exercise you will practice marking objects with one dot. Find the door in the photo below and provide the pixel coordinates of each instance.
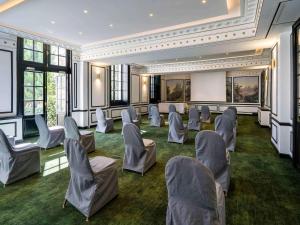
(296, 93)
(56, 98)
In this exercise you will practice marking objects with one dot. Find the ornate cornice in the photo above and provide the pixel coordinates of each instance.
(44, 39)
(230, 29)
(212, 64)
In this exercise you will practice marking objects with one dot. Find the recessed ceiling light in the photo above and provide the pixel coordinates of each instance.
(203, 1)
(52, 22)
(80, 33)
(151, 14)
(111, 25)
(85, 11)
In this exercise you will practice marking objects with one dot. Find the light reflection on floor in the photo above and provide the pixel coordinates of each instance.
(55, 165)
(143, 131)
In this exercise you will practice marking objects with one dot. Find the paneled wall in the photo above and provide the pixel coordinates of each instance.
(281, 109)
(92, 90)
(9, 123)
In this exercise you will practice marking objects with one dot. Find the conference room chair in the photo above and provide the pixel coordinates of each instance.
(104, 125)
(234, 109)
(193, 195)
(178, 132)
(149, 110)
(224, 127)
(18, 161)
(49, 137)
(205, 114)
(86, 138)
(140, 154)
(134, 115)
(194, 119)
(157, 120)
(126, 118)
(93, 182)
(172, 108)
(211, 151)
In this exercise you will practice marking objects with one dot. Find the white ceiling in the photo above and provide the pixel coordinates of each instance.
(126, 16)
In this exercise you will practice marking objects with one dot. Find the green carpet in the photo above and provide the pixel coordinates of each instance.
(265, 189)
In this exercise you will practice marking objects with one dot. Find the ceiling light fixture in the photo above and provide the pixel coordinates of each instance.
(151, 14)
(204, 1)
(85, 11)
(52, 22)
(111, 25)
(80, 33)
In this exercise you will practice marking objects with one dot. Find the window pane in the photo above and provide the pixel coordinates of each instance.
(28, 78)
(62, 51)
(39, 107)
(39, 93)
(54, 60)
(38, 57)
(125, 68)
(62, 61)
(54, 50)
(39, 79)
(28, 43)
(28, 55)
(38, 46)
(28, 93)
(28, 108)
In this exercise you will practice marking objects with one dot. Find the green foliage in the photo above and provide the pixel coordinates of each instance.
(51, 99)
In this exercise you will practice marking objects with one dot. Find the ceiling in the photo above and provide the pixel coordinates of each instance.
(132, 27)
(106, 19)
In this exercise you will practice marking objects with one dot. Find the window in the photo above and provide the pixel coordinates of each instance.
(33, 92)
(57, 56)
(154, 88)
(228, 89)
(33, 51)
(119, 76)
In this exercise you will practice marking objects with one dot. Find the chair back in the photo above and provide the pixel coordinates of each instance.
(133, 141)
(211, 151)
(78, 160)
(126, 118)
(194, 114)
(175, 121)
(132, 112)
(172, 108)
(71, 129)
(205, 112)
(231, 114)
(5, 146)
(191, 183)
(155, 112)
(233, 108)
(41, 125)
(100, 116)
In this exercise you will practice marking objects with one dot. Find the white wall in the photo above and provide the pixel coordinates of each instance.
(208, 86)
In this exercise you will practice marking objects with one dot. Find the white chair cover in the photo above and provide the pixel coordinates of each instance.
(93, 183)
(86, 138)
(178, 132)
(104, 125)
(194, 119)
(157, 120)
(19, 161)
(205, 114)
(172, 108)
(194, 197)
(49, 137)
(211, 151)
(140, 154)
(134, 115)
(225, 128)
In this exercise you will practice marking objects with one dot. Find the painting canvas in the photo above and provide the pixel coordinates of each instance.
(246, 89)
(175, 90)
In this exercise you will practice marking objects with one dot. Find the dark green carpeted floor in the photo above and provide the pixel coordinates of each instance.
(265, 189)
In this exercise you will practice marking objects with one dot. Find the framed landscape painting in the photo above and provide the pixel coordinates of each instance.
(175, 90)
(246, 89)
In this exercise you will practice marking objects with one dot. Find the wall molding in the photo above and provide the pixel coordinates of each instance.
(244, 26)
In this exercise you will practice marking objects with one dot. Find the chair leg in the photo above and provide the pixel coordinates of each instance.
(64, 203)
(87, 219)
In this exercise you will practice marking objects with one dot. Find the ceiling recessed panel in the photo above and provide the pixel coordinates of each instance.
(86, 21)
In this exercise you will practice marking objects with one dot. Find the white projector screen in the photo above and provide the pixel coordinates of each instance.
(208, 86)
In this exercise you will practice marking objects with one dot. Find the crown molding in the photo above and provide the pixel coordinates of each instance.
(48, 40)
(244, 26)
(212, 64)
